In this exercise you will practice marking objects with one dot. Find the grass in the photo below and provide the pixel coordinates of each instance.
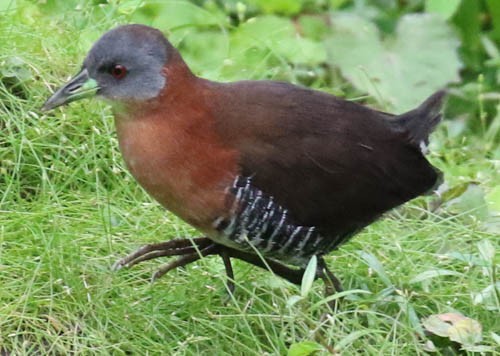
(69, 209)
(59, 294)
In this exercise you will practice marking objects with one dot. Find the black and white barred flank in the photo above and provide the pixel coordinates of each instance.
(257, 220)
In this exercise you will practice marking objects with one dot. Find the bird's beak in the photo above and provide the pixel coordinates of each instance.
(81, 86)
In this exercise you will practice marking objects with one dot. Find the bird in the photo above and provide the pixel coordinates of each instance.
(270, 173)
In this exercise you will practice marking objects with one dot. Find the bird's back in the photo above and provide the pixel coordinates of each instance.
(332, 164)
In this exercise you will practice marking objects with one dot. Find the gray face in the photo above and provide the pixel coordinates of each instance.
(124, 65)
(127, 63)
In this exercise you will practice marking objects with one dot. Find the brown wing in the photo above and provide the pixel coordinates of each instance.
(332, 163)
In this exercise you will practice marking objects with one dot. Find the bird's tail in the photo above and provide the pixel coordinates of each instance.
(420, 122)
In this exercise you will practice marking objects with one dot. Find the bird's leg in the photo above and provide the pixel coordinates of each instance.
(293, 275)
(188, 247)
(332, 283)
(192, 250)
(229, 270)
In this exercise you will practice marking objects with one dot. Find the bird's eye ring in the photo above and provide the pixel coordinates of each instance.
(118, 71)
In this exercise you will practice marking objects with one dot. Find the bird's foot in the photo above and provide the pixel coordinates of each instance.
(176, 247)
(191, 250)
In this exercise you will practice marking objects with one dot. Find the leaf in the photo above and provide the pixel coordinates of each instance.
(435, 325)
(15, 67)
(444, 8)
(488, 297)
(355, 335)
(277, 36)
(482, 349)
(309, 276)
(471, 202)
(285, 7)
(455, 191)
(493, 197)
(335, 4)
(206, 51)
(468, 258)
(414, 320)
(375, 265)
(128, 7)
(175, 15)
(494, 10)
(495, 337)
(455, 326)
(299, 50)
(349, 294)
(294, 299)
(263, 31)
(486, 250)
(468, 22)
(466, 332)
(304, 348)
(7, 5)
(400, 71)
(313, 27)
(434, 273)
(490, 47)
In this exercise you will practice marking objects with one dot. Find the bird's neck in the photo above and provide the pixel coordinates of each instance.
(171, 148)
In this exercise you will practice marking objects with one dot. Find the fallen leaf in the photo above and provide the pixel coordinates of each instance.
(455, 326)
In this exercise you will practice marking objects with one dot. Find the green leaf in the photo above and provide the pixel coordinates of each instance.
(257, 42)
(434, 273)
(294, 299)
(486, 250)
(480, 349)
(488, 297)
(7, 5)
(495, 337)
(309, 276)
(375, 265)
(206, 52)
(493, 197)
(304, 348)
(347, 293)
(444, 8)
(335, 4)
(355, 335)
(128, 7)
(490, 47)
(468, 22)
(285, 7)
(313, 27)
(414, 320)
(176, 15)
(399, 71)
(494, 10)
(471, 202)
(468, 258)
(15, 67)
(279, 37)
(455, 191)
(299, 50)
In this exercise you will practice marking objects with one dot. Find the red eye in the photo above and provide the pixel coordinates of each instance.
(118, 71)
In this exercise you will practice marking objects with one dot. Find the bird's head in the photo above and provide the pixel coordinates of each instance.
(125, 64)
